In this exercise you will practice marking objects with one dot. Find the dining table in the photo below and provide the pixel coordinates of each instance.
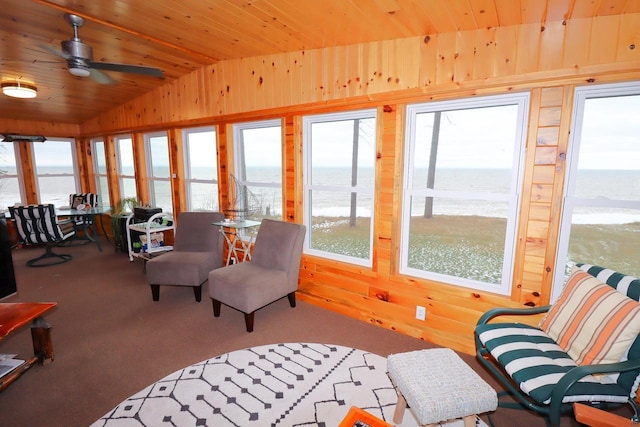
(88, 221)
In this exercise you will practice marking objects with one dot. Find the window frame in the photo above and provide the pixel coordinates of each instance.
(309, 187)
(19, 175)
(102, 192)
(239, 162)
(569, 202)
(117, 140)
(152, 180)
(74, 165)
(187, 165)
(513, 198)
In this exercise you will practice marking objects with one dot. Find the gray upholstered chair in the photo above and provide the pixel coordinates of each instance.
(271, 274)
(38, 225)
(197, 249)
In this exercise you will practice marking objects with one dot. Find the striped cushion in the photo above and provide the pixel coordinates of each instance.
(591, 321)
(536, 363)
(75, 199)
(37, 224)
(629, 286)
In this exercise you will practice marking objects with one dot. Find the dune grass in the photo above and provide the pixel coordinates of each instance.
(473, 246)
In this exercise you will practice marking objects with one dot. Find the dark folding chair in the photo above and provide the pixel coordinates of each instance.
(38, 225)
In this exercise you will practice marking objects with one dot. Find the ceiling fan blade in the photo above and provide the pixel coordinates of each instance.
(55, 51)
(100, 77)
(123, 68)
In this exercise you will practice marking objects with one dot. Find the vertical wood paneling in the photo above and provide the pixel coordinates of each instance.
(445, 60)
(605, 45)
(112, 169)
(506, 47)
(576, 42)
(85, 165)
(551, 46)
(528, 50)
(140, 168)
(176, 170)
(28, 173)
(484, 54)
(629, 38)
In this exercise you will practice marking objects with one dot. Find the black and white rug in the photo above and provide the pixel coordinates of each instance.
(293, 384)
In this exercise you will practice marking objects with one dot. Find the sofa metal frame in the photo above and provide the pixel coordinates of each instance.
(556, 408)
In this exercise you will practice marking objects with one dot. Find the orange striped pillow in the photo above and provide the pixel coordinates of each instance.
(591, 321)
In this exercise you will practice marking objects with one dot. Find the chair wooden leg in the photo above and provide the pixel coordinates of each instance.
(155, 292)
(292, 299)
(197, 292)
(216, 307)
(401, 405)
(248, 320)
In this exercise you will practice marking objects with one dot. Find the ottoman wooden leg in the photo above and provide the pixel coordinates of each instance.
(398, 415)
(470, 421)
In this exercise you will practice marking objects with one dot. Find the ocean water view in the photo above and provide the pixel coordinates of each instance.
(597, 184)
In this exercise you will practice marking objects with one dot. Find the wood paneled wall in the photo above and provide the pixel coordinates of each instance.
(548, 61)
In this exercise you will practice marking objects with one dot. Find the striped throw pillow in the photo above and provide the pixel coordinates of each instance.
(591, 321)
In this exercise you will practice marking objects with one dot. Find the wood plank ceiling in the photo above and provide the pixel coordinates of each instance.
(179, 36)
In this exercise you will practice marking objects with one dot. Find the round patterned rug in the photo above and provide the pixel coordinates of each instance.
(294, 384)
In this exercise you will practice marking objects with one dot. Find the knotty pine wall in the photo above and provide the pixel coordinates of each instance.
(548, 61)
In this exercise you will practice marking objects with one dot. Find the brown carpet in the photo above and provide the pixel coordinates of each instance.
(111, 340)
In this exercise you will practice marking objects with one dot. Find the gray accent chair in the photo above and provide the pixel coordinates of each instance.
(197, 249)
(39, 225)
(271, 274)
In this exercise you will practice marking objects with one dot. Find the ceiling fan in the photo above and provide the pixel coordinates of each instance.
(79, 57)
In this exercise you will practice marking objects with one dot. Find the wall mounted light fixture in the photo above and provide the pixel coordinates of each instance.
(19, 90)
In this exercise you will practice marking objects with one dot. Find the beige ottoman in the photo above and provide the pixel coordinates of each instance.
(438, 386)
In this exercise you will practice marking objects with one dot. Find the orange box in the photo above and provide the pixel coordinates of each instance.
(356, 415)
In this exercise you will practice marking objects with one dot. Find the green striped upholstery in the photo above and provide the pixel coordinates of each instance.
(536, 362)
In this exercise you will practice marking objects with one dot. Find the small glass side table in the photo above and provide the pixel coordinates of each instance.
(238, 248)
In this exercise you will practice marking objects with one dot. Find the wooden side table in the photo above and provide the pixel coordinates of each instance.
(15, 315)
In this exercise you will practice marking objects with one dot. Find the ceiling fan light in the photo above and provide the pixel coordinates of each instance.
(19, 90)
(79, 71)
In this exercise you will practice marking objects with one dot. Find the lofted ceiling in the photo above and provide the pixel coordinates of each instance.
(179, 36)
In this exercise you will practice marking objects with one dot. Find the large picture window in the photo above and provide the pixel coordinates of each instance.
(157, 154)
(601, 211)
(11, 186)
(54, 163)
(339, 177)
(201, 169)
(461, 190)
(255, 190)
(126, 167)
(100, 171)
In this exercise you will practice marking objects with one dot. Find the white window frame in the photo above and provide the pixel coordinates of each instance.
(512, 198)
(582, 94)
(151, 178)
(187, 160)
(74, 161)
(19, 175)
(96, 171)
(239, 174)
(309, 187)
(121, 176)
